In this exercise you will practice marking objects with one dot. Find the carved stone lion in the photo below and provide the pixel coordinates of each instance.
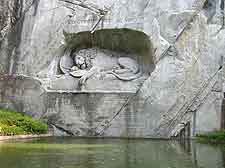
(81, 66)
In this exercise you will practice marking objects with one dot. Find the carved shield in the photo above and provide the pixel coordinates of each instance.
(78, 73)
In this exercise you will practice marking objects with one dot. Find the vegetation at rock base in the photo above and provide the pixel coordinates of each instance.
(212, 137)
(14, 123)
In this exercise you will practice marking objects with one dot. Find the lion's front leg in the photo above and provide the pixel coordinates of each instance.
(86, 76)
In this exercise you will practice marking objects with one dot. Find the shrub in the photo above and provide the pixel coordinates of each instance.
(14, 123)
(216, 136)
(11, 130)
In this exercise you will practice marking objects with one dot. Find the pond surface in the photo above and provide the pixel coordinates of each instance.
(109, 153)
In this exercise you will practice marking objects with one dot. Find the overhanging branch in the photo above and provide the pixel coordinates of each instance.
(86, 6)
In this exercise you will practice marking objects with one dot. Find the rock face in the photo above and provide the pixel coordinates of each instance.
(179, 46)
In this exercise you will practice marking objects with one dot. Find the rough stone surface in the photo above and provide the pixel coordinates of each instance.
(184, 83)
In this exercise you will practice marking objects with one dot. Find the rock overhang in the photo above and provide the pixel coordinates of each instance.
(116, 39)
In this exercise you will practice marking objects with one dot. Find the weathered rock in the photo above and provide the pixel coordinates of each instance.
(183, 84)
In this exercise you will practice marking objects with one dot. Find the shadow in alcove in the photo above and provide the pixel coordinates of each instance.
(107, 46)
(119, 40)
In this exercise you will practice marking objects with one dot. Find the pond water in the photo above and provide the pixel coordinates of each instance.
(109, 153)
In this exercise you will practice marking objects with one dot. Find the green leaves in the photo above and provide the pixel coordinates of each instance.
(212, 137)
(13, 123)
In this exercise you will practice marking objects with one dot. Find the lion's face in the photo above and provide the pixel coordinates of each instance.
(79, 60)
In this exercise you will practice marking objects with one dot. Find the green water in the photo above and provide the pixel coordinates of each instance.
(109, 153)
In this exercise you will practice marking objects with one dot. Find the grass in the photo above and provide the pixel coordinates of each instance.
(212, 137)
(14, 123)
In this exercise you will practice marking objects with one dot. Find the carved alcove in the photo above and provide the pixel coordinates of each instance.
(105, 60)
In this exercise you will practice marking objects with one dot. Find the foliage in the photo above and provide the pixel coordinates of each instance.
(212, 137)
(14, 123)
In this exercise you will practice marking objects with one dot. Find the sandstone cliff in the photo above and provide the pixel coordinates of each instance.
(182, 92)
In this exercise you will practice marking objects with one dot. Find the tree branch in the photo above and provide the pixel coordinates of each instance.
(14, 17)
(86, 6)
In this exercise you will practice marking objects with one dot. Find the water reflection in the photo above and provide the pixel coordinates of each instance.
(109, 153)
(205, 155)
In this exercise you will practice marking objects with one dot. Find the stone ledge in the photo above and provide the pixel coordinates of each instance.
(3, 138)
